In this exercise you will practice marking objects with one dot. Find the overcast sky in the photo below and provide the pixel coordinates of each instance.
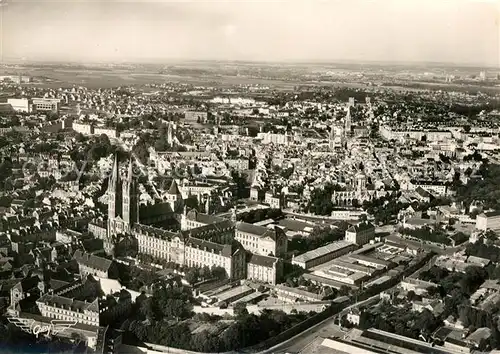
(453, 31)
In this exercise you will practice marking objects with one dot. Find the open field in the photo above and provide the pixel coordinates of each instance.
(283, 77)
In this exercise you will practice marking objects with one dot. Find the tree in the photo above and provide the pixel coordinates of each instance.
(192, 275)
(344, 290)
(172, 302)
(80, 137)
(141, 151)
(473, 278)
(411, 296)
(76, 338)
(426, 322)
(219, 272)
(240, 309)
(205, 273)
(5, 201)
(5, 169)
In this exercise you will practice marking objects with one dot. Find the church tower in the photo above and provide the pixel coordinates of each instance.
(360, 183)
(114, 200)
(174, 196)
(123, 207)
(207, 205)
(332, 137)
(130, 204)
(347, 122)
(184, 225)
(170, 134)
(233, 217)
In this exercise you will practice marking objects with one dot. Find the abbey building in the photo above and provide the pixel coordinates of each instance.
(167, 231)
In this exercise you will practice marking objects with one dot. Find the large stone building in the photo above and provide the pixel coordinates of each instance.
(94, 265)
(167, 231)
(356, 190)
(360, 234)
(488, 221)
(264, 268)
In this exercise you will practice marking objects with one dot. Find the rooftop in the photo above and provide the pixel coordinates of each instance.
(321, 251)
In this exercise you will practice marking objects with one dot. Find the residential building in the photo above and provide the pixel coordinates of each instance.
(45, 104)
(196, 116)
(20, 104)
(91, 264)
(262, 240)
(83, 128)
(323, 254)
(63, 308)
(360, 234)
(289, 294)
(264, 269)
(488, 221)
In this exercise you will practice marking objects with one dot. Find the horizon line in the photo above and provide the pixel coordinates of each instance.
(165, 61)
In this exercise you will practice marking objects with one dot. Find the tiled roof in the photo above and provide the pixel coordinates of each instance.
(157, 209)
(251, 229)
(296, 225)
(92, 261)
(28, 283)
(203, 218)
(202, 244)
(321, 251)
(491, 214)
(265, 261)
(70, 304)
(174, 188)
(209, 229)
(361, 227)
(157, 232)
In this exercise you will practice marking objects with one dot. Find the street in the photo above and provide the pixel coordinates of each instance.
(325, 328)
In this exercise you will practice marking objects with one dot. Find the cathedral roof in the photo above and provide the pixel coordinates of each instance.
(158, 209)
(206, 219)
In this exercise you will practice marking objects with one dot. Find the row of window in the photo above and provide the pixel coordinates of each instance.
(260, 273)
(69, 318)
(194, 224)
(192, 263)
(60, 312)
(246, 237)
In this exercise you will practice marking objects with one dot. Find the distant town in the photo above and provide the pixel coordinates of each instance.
(321, 210)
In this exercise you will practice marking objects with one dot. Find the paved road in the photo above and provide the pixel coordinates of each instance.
(325, 328)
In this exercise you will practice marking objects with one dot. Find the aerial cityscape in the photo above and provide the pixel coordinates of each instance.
(316, 201)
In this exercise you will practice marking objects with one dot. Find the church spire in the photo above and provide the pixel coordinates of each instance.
(113, 189)
(115, 171)
(130, 174)
(347, 121)
(130, 205)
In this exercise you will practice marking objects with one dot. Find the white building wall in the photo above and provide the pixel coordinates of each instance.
(19, 104)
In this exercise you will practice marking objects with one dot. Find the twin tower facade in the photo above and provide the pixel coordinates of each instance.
(123, 205)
